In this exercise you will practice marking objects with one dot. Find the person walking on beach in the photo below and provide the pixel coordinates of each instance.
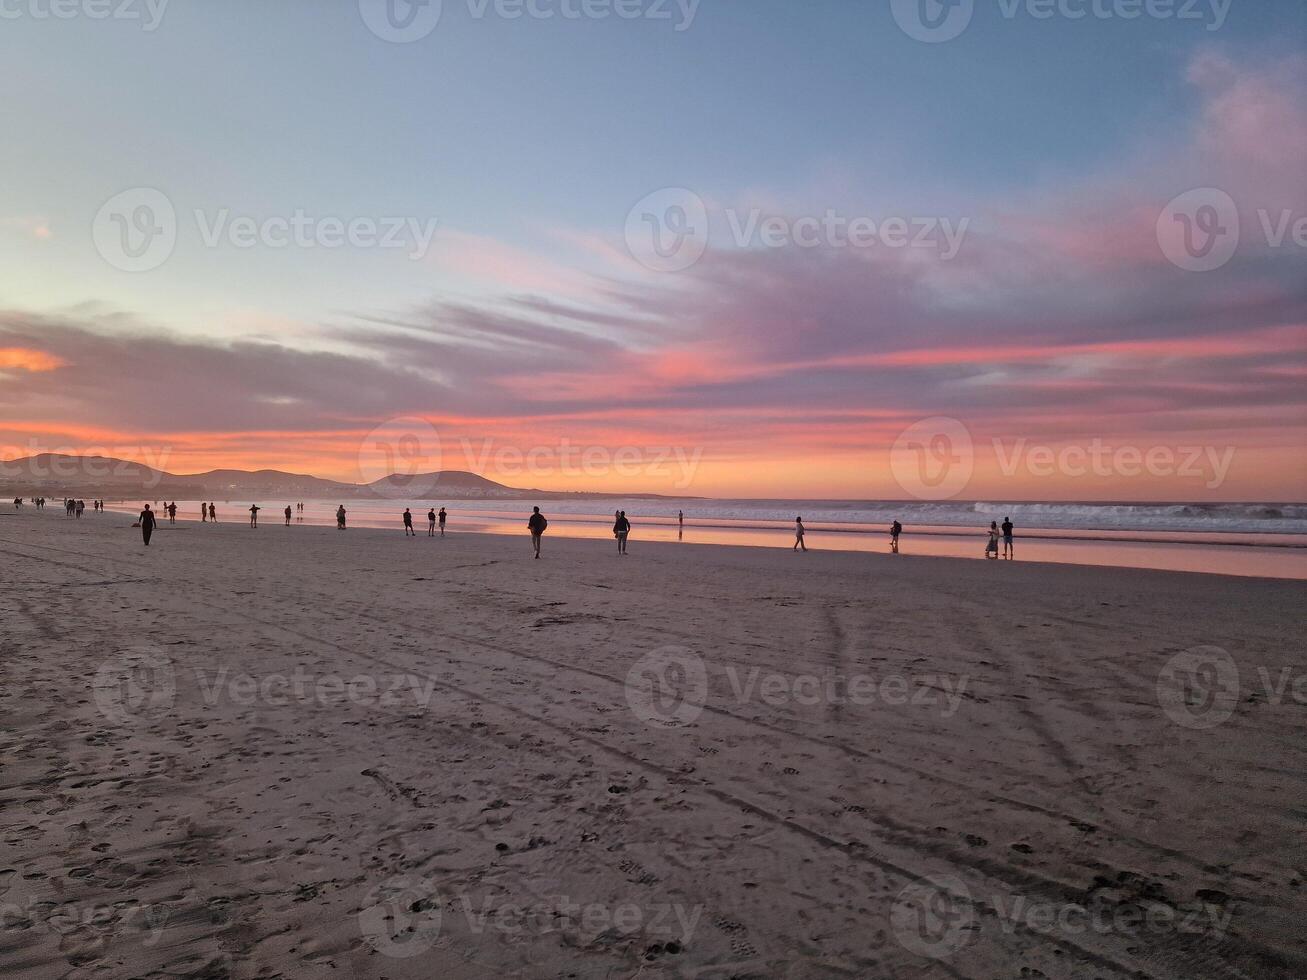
(622, 529)
(441, 518)
(288, 513)
(895, 530)
(798, 535)
(991, 549)
(254, 515)
(213, 514)
(536, 525)
(340, 518)
(431, 523)
(1008, 550)
(408, 523)
(147, 524)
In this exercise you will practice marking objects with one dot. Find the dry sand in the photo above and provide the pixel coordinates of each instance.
(198, 781)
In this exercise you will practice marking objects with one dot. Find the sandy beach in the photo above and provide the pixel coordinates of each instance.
(297, 752)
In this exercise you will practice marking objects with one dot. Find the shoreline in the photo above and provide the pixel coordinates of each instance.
(1236, 558)
(1080, 555)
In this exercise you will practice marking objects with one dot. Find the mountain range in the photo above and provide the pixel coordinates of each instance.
(60, 475)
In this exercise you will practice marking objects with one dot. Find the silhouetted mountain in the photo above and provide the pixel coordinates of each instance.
(59, 475)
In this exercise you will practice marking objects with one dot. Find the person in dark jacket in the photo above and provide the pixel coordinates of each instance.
(147, 524)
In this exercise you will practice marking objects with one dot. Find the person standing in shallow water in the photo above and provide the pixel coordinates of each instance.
(288, 513)
(147, 524)
(798, 535)
(536, 525)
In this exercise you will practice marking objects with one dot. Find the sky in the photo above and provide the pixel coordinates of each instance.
(1012, 249)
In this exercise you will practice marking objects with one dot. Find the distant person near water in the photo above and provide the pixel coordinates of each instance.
(288, 513)
(172, 512)
(408, 523)
(621, 529)
(204, 512)
(213, 514)
(441, 518)
(798, 535)
(254, 515)
(991, 547)
(147, 524)
(895, 530)
(340, 518)
(536, 525)
(431, 523)
(1008, 551)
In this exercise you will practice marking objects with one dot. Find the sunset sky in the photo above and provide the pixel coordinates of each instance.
(532, 329)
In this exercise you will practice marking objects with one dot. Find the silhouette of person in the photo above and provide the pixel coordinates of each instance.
(213, 514)
(441, 518)
(408, 523)
(895, 530)
(288, 513)
(172, 512)
(1008, 550)
(254, 515)
(623, 530)
(204, 512)
(991, 548)
(147, 524)
(536, 524)
(798, 535)
(431, 523)
(340, 518)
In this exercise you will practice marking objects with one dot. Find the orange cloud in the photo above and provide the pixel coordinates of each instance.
(26, 359)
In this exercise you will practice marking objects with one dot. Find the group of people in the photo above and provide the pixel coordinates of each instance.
(991, 549)
(536, 525)
(72, 507)
(433, 520)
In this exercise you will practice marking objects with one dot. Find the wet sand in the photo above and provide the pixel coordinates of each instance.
(304, 753)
